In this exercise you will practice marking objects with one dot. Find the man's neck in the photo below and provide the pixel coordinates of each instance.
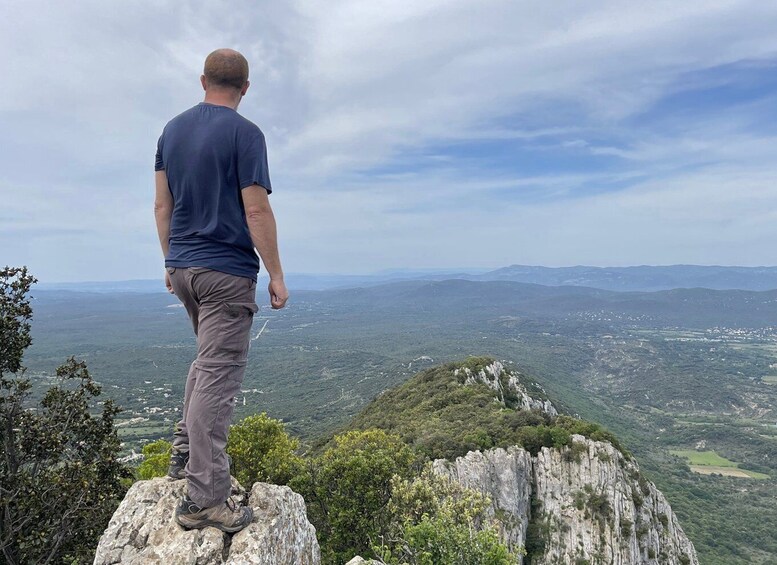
(222, 99)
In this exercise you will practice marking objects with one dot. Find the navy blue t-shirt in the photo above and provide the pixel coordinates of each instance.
(210, 153)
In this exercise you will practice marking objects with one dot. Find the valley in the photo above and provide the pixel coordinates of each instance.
(676, 375)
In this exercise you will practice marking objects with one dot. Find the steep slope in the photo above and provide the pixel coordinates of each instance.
(563, 489)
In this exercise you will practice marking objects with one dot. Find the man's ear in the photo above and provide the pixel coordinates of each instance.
(202, 81)
(245, 88)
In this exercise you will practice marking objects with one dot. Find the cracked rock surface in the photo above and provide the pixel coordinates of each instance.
(143, 530)
(589, 504)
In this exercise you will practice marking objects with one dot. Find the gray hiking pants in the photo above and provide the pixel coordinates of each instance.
(221, 308)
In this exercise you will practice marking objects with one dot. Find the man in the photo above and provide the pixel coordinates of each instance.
(212, 214)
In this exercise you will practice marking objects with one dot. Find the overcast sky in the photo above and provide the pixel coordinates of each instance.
(404, 134)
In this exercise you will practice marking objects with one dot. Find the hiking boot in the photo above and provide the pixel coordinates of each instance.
(227, 516)
(178, 461)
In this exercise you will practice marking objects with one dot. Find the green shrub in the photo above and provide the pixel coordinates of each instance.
(575, 451)
(348, 487)
(259, 446)
(437, 540)
(435, 520)
(261, 450)
(156, 459)
(626, 528)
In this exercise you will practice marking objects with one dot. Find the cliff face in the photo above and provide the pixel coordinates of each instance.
(505, 475)
(142, 530)
(580, 504)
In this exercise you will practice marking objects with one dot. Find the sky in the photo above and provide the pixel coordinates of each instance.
(404, 134)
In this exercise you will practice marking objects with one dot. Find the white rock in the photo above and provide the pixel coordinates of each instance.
(506, 477)
(491, 376)
(596, 505)
(593, 503)
(143, 530)
(280, 532)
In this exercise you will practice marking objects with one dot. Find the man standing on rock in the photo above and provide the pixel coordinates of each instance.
(212, 214)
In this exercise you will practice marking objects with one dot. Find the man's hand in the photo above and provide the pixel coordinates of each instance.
(168, 284)
(278, 293)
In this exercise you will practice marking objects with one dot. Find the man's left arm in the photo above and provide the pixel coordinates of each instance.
(163, 212)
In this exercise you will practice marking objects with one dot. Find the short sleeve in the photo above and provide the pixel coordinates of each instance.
(252, 165)
(160, 164)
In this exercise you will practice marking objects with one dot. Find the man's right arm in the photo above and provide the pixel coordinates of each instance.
(264, 235)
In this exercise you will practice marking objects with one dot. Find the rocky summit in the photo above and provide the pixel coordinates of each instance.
(143, 531)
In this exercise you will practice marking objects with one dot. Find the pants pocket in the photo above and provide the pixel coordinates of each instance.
(237, 310)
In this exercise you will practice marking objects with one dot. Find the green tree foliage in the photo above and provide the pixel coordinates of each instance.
(60, 478)
(347, 488)
(262, 450)
(435, 520)
(440, 539)
(156, 459)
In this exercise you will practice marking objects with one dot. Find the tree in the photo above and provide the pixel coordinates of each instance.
(60, 477)
(347, 488)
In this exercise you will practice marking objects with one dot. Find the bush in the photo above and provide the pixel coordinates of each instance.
(348, 487)
(261, 450)
(435, 520)
(259, 446)
(437, 540)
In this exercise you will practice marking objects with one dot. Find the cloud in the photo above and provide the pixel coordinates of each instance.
(402, 133)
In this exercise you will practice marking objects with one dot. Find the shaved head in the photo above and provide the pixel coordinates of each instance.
(226, 68)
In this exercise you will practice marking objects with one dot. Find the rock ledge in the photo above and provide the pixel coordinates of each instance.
(143, 531)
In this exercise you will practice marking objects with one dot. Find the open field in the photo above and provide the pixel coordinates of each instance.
(727, 472)
(709, 462)
(704, 458)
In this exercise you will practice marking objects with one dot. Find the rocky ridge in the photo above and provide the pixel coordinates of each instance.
(581, 504)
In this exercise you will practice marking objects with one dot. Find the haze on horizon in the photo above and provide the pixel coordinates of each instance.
(404, 134)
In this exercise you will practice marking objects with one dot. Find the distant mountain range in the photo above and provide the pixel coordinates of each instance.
(640, 278)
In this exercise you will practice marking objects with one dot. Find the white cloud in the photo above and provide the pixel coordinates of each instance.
(343, 87)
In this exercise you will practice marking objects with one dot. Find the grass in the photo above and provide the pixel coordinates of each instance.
(727, 472)
(709, 462)
(704, 458)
